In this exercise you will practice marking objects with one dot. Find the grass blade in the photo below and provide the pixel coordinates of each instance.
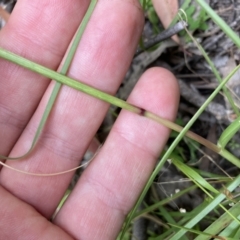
(194, 176)
(212, 205)
(218, 225)
(228, 133)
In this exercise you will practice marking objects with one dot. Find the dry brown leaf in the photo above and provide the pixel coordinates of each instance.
(166, 11)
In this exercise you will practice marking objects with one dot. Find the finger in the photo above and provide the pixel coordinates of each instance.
(101, 60)
(19, 220)
(38, 31)
(111, 184)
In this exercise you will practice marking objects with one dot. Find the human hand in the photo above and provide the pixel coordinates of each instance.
(41, 31)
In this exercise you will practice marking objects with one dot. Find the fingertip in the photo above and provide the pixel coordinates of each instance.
(157, 90)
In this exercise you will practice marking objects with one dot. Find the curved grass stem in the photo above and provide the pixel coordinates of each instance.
(66, 64)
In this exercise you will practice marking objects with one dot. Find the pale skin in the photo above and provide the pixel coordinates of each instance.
(41, 31)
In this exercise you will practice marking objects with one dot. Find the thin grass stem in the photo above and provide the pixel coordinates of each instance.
(104, 96)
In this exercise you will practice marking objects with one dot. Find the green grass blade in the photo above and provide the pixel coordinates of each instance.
(218, 225)
(230, 157)
(211, 206)
(228, 133)
(237, 234)
(230, 230)
(66, 80)
(106, 97)
(200, 233)
(78, 37)
(194, 176)
(164, 201)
